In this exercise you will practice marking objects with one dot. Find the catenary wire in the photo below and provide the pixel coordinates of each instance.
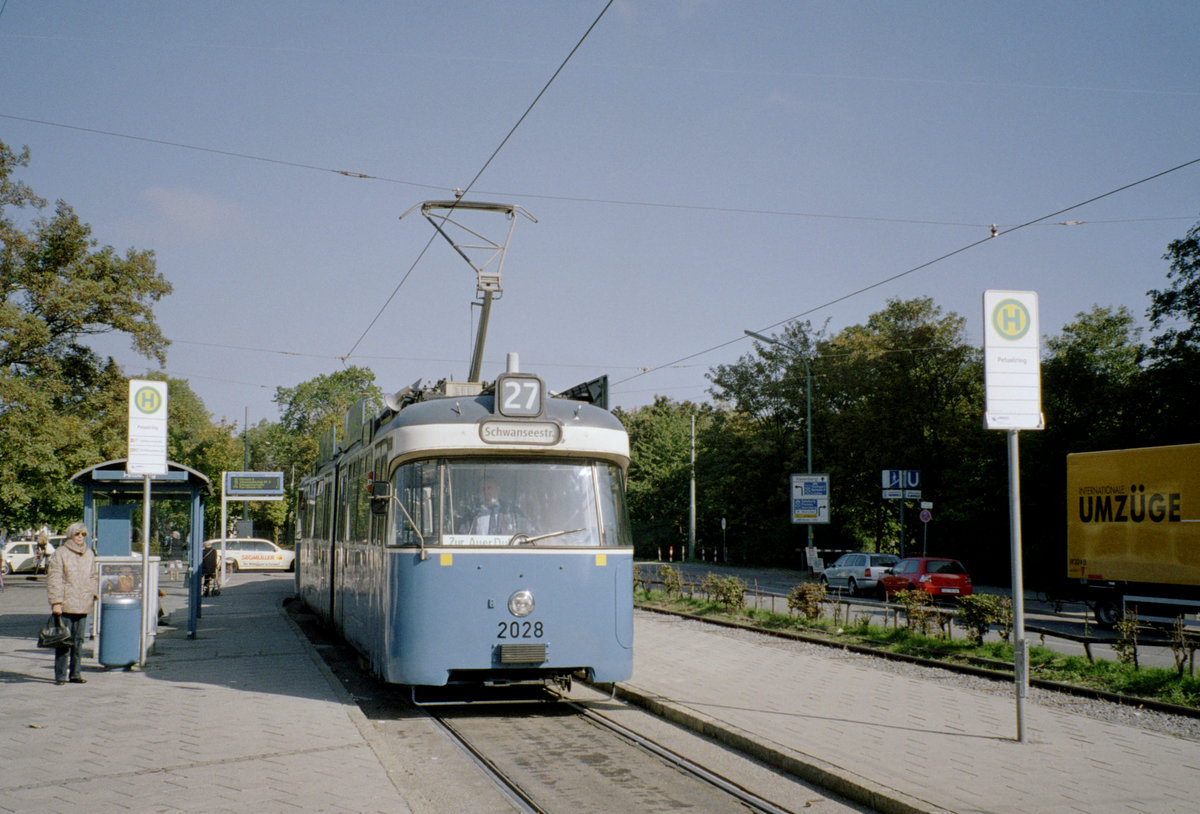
(482, 169)
(916, 268)
(731, 210)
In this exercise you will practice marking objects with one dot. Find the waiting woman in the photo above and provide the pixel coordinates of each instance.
(72, 587)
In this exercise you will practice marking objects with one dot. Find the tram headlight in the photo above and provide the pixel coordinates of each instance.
(521, 603)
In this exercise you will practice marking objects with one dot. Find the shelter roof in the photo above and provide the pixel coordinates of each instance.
(110, 477)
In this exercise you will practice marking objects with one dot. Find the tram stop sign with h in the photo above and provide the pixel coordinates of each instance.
(147, 427)
(1012, 370)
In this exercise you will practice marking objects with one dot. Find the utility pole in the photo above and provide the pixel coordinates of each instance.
(692, 505)
(807, 403)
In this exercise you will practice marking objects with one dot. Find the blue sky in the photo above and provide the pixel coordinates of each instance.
(696, 169)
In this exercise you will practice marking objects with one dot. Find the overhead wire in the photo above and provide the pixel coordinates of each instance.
(915, 269)
(730, 210)
(482, 169)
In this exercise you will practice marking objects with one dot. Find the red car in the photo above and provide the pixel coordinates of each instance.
(936, 576)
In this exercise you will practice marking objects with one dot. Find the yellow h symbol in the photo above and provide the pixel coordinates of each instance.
(1011, 319)
(147, 400)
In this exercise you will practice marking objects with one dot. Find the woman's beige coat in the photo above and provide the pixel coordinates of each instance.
(72, 578)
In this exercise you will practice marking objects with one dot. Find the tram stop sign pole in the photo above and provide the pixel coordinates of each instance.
(147, 457)
(1013, 388)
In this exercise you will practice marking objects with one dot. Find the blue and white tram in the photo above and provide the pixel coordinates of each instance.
(465, 538)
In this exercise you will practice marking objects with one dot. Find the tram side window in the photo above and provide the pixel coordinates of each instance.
(322, 520)
(415, 488)
(613, 513)
(362, 506)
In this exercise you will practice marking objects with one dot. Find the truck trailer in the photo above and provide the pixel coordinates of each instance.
(1133, 532)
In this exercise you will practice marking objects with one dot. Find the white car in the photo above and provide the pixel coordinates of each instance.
(858, 571)
(23, 555)
(254, 554)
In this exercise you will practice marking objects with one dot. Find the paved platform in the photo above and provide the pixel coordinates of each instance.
(241, 718)
(246, 717)
(901, 743)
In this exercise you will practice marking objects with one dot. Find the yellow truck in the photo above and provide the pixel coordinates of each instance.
(1133, 532)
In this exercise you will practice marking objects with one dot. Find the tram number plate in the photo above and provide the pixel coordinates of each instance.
(520, 630)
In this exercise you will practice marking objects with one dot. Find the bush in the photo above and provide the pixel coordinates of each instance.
(672, 580)
(1126, 646)
(807, 600)
(979, 612)
(728, 592)
(918, 610)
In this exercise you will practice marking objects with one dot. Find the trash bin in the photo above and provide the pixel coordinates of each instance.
(120, 630)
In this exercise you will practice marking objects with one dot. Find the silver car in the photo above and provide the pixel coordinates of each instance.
(858, 572)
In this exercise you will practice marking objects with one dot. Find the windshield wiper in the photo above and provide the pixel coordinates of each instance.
(525, 539)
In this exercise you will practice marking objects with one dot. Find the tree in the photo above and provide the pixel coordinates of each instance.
(311, 408)
(57, 288)
(1173, 380)
(768, 393)
(1094, 371)
(903, 391)
(1180, 301)
(906, 393)
(659, 471)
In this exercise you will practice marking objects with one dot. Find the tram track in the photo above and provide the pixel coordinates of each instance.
(585, 760)
(582, 750)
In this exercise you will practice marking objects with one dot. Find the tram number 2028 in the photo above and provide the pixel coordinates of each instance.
(520, 630)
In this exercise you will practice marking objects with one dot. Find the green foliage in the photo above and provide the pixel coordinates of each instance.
(1126, 644)
(657, 491)
(1178, 305)
(672, 580)
(1184, 644)
(58, 288)
(727, 591)
(918, 610)
(807, 600)
(1163, 684)
(978, 613)
(310, 408)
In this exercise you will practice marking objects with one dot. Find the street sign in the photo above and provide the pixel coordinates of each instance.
(147, 427)
(1012, 372)
(810, 498)
(893, 494)
(901, 478)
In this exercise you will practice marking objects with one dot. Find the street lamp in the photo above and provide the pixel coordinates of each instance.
(807, 403)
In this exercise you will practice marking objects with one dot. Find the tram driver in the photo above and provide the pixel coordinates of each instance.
(495, 516)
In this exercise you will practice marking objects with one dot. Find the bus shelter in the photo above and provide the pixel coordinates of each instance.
(109, 495)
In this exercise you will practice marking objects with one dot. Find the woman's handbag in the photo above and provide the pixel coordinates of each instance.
(55, 633)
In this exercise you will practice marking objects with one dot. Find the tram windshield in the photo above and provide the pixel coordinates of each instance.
(510, 501)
